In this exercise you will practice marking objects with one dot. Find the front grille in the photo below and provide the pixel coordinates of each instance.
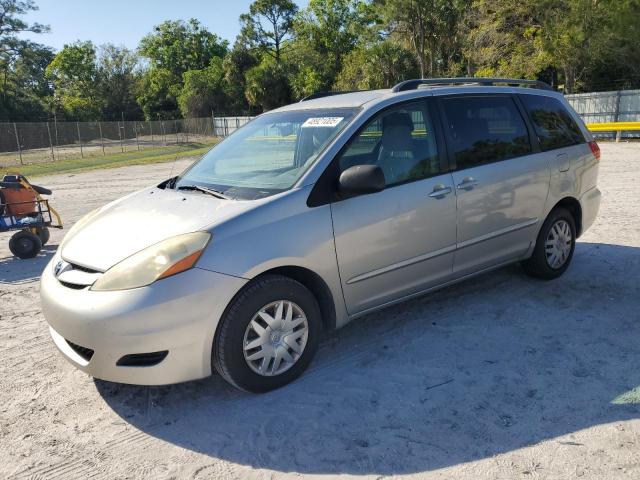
(72, 285)
(84, 352)
(142, 359)
(83, 269)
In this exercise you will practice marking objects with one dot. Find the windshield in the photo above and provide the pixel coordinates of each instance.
(268, 155)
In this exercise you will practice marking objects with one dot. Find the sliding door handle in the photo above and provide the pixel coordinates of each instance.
(440, 191)
(467, 183)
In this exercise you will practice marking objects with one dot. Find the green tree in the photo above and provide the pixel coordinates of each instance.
(74, 76)
(174, 47)
(577, 36)
(267, 85)
(117, 78)
(381, 65)
(23, 90)
(429, 27)
(157, 94)
(236, 64)
(203, 91)
(620, 68)
(268, 24)
(506, 39)
(178, 46)
(11, 24)
(325, 32)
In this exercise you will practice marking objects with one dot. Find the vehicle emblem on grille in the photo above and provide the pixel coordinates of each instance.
(58, 268)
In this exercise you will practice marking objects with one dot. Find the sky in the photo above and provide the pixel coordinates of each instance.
(125, 22)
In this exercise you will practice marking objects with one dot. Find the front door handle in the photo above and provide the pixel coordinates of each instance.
(440, 190)
(467, 183)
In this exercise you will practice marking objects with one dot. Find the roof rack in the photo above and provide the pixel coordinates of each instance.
(438, 82)
(315, 95)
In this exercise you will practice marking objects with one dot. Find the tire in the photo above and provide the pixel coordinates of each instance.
(25, 244)
(235, 334)
(44, 234)
(541, 263)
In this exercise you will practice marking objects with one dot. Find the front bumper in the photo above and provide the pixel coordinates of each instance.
(179, 314)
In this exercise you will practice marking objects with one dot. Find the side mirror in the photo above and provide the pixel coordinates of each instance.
(361, 179)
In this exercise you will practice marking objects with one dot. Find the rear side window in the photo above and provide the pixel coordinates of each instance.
(484, 129)
(552, 122)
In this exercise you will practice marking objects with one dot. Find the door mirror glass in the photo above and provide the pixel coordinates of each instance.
(361, 179)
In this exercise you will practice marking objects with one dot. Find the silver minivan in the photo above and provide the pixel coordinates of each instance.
(314, 214)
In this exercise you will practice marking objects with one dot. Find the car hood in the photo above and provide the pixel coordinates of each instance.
(144, 218)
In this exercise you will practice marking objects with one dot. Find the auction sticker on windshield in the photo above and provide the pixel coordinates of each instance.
(322, 122)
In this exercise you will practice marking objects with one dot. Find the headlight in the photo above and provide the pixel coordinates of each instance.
(170, 256)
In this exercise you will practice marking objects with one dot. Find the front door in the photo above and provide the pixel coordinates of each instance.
(501, 183)
(401, 240)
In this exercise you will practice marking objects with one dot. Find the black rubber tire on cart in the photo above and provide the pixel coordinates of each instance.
(44, 234)
(25, 244)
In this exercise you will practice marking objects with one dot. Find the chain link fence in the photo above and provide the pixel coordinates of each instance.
(25, 143)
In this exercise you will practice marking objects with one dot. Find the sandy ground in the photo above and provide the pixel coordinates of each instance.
(499, 377)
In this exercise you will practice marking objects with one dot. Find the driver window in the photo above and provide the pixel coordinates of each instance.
(401, 141)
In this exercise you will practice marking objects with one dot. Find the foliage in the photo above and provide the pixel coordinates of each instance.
(22, 63)
(268, 24)
(74, 75)
(174, 47)
(203, 91)
(117, 77)
(236, 64)
(429, 27)
(179, 46)
(380, 65)
(325, 32)
(284, 53)
(157, 94)
(267, 85)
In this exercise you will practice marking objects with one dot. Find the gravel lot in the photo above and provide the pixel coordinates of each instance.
(499, 377)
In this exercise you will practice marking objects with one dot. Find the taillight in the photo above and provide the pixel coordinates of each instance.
(595, 149)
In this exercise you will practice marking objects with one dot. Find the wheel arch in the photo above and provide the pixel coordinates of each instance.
(574, 207)
(316, 285)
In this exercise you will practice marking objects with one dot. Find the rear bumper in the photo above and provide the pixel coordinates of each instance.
(178, 314)
(590, 203)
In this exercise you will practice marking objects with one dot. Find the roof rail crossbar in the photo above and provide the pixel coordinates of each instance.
(315, 95)
(512, 82)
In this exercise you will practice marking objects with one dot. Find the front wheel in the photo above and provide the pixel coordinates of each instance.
(554, 246)
(268, 334)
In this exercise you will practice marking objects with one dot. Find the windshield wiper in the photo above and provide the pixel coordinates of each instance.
(207, 190)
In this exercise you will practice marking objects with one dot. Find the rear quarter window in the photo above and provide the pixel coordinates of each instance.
(553, 124)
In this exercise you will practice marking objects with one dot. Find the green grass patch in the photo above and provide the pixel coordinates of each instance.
(142, 157)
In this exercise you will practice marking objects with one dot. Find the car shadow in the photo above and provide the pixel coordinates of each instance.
(14, 270)
(493, 364)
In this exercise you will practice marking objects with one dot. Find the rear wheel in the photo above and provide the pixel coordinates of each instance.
(44, 234)
(554, 246)
(268, 335)
(25, 244)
